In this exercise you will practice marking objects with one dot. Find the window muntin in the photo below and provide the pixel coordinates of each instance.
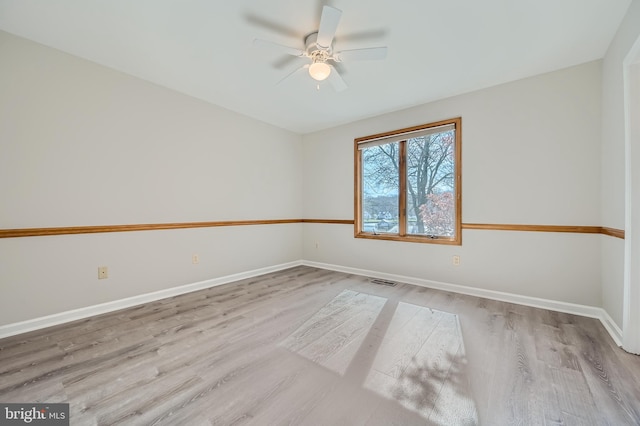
(408, 184)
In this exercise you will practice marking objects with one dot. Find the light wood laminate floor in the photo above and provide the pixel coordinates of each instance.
(316, 347)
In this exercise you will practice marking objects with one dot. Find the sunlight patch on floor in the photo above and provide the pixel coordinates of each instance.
(333, 335)
(421, 364)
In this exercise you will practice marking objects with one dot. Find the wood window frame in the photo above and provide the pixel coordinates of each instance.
(402, 208)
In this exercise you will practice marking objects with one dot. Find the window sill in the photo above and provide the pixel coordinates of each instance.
(410, 238)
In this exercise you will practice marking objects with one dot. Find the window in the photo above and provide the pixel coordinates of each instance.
(408, 184)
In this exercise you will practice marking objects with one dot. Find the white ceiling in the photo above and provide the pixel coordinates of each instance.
(437, 48)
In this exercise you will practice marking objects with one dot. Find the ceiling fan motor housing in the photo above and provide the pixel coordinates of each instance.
(316, 52)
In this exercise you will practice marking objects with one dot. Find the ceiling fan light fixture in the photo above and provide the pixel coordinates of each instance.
(319, 71)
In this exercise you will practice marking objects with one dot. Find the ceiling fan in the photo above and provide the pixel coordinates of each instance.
(319, 50)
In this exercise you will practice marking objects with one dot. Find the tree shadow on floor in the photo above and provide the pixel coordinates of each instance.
(438, 389)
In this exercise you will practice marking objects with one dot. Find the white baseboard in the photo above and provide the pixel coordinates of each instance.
(50, 320)
(610, 325)
(553, 305)
(76, 314)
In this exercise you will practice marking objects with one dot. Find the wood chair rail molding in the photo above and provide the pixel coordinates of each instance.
(577, 229)
(613, 232)
(36, 232)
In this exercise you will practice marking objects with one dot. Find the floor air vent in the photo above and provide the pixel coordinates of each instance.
(383, 282)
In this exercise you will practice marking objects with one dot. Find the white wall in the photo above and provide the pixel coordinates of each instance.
(613, 161)
(81, 144)
(531, 155)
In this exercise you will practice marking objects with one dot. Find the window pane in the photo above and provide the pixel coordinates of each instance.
(431, 206)
(380, 188)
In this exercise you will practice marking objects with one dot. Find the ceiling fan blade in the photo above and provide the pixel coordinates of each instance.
(368, 54)
(272, 26)
(279, 47)
(328, 26)
(336, 80)
(286, 77)
(285, 62)
(362, 36)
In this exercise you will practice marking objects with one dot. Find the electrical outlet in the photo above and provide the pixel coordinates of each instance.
(456, 260)
(195, 259)
(102, 272)
(317, 244)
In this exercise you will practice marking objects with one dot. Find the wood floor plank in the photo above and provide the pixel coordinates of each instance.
(307, 346)
(617, 399)
(575, 399)
(516, 400)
